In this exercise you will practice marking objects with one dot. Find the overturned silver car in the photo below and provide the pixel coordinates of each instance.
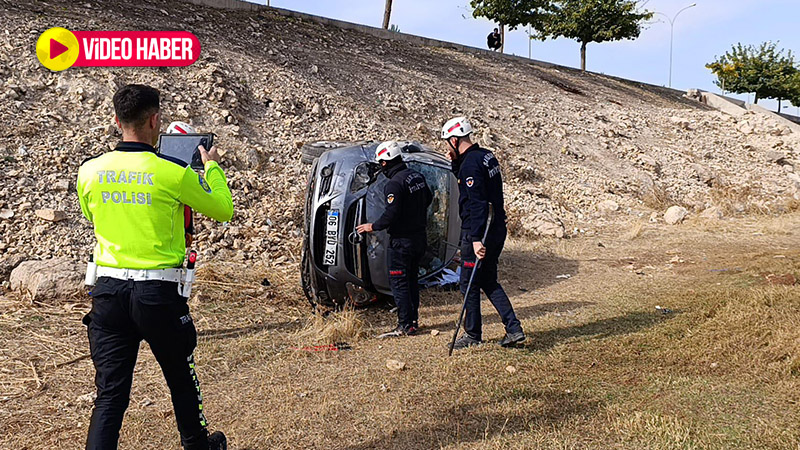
(345, 189)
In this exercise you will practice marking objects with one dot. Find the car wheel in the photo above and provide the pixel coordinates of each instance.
(313, 150)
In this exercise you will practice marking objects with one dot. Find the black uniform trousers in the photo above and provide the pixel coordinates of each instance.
(486, 281)
(123, 313)
(405, 254)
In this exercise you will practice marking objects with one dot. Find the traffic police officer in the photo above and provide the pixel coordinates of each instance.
(479, 184)
(135, 199)
(406, 216)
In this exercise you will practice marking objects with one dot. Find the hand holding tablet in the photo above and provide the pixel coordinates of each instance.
(186, 148)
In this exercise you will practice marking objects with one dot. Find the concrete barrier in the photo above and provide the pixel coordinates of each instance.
(776, 117)
(723, 104)
(791, 117)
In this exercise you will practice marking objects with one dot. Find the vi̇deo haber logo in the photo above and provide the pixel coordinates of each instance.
(59, 49)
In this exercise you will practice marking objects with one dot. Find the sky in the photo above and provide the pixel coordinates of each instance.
(700, 34)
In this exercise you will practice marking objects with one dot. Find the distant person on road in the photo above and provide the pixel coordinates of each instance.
(494, 41)
(480, 184)
(406, 216)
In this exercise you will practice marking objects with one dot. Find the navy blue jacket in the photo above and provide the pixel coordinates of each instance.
(407, 199)
(479, 183)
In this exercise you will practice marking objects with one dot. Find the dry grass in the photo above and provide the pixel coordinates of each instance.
(601, 369)
(736, 199)
(342, 326)
(658, 198)
(635, 230)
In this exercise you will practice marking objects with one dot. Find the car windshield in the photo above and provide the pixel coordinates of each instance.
(438, 215)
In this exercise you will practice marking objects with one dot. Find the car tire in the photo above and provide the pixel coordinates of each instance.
(313, 150)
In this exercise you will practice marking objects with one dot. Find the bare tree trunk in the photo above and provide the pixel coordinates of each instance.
(502, 37)
(583, 56)
(387, 14)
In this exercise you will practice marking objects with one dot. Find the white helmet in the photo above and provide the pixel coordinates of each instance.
(387, 151)
(180, 128)
(458, 127)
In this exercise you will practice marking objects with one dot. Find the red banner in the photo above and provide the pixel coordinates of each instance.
(136, 48)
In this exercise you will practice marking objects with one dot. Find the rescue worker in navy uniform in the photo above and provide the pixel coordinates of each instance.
(480, 183)
(406, 216)
(135, 200)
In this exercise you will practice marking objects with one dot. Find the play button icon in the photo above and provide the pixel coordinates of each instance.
(57, 48)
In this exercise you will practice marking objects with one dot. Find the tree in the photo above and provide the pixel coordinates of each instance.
(589, 21)
(586, 21)
(763, 70)
(512, 12)
(387, 14)
(794, 89)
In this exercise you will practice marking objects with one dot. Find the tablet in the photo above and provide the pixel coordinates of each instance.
(184, 147)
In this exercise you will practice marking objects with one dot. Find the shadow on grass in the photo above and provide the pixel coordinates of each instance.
(601, 329)
(489, 315)
(533, 409)
(520, 272)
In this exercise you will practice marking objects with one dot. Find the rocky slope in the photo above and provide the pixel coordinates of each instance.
(577, 148)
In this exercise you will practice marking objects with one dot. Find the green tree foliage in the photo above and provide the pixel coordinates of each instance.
(598, 21)
(764, 70)
(513, 13)
(585, 21)
(794, 90)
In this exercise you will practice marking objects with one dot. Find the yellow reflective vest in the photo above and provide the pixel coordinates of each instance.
(135, 199)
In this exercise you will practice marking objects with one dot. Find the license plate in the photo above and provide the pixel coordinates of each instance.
(331, 238)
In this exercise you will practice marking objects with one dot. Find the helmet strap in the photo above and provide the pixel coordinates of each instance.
(454, 147)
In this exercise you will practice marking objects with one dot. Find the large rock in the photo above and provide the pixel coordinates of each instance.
(712, 212)
(51, 215)
(544, 224)
(675, 215)
(681, 122)
(51, 279)
(9, 263)
(607, 207)
(703, 174)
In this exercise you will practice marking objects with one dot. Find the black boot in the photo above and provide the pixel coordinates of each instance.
(512, 339)
(217, 441)
(465, 341)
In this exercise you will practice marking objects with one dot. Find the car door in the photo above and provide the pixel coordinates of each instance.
(377, 243)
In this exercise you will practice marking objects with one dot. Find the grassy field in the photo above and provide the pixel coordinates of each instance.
(602, 368)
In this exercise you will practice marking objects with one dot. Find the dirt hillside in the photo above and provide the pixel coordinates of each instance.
(266, 84)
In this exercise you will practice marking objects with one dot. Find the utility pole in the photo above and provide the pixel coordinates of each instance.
(529, 41)
(672, 35)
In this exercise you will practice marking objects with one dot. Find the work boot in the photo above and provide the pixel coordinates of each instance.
(217, 441)
(400, 330)
(465, 341)
(512, 339)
